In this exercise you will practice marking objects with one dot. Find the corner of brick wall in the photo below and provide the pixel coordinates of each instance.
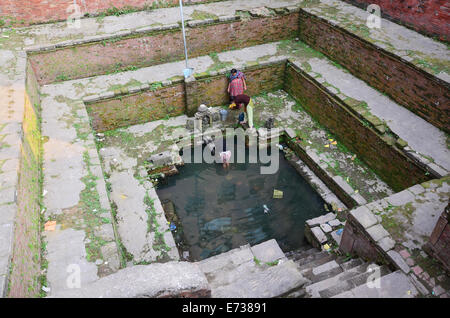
(439, 244)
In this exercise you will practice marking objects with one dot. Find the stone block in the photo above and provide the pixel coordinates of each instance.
(260, 12)
(229, 18)
(111, 256)
(358, 198)
(321, 219)
(161, 159)
(290, 132)
(440, 172)
(268, 251)
(326, 228)
(8, 195)
(91, 99)
(171, 279)
(377, 232)
(325, 268)
(420, 287)
(386, 243)
(319, 235)
(398, 261)
(416, 189)
(337, 237)
(334, 223)
(343, 184)
(364, 217)
(400, 198)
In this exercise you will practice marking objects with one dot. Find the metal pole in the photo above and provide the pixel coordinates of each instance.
(184, 33)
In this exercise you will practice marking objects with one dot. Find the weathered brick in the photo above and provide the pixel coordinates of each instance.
(422, 93)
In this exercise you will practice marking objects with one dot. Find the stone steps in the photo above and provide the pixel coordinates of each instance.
(393, 285)
(315, 289)
(332, 276)
(354, 281)
(250, 272)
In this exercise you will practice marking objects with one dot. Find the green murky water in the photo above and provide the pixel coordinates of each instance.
(220, 209)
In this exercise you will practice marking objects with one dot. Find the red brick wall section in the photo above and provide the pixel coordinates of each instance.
(39, 11)
(427, 16)
(212, 90)
(159, 47)
(389, 163)
(356, 242)
(439, 244)
(138, 108)
(420, 92)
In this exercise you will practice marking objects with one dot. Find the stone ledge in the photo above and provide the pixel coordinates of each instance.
(268, 251)
(172, 279)
(398, 261)
(364, 217)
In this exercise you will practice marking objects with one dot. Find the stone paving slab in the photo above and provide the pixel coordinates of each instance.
(68, 163)
(268, 251)
(392, 37)
(273, 281)
(118, 25)
(146, 281)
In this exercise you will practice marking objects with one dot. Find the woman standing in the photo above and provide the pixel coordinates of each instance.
(237, 84)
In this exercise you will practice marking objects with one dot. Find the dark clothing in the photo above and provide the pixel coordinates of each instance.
(241, 99)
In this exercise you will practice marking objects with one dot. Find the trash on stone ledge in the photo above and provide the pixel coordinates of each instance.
(326, 247)
(277, 194)
(50, 226)
(339, 232)
(46, 289)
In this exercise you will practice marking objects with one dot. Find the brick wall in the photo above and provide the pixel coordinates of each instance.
(159, 47)
(180, 97)
(427, 16)
(420, 92)
(356, 241)
(438, 246)
(398, 171)
(39, 11)
(212, 90)
(138, 108)
(25, 263)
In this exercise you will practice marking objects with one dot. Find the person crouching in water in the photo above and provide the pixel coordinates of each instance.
(225, 156)
(237, 84)
(246, 102)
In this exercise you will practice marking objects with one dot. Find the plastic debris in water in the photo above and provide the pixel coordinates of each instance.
(277, 194)
(172, 227)
(266, 209)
